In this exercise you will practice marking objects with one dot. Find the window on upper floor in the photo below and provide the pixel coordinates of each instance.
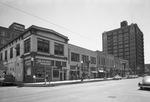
(3, 33)
(85, 58)
(103, 60)
(1, 56)
(75, 57)
(43, 45)
(17, 50)
(64, 64)
(6, 55)
(3, 41)
(99, 60)
(58, 64)
(27, 44)
(59, 49)
(11, 52)
(93, 60)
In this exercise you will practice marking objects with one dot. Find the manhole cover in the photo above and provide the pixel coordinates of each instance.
(111, 96)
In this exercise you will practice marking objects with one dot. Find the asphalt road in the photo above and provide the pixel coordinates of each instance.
(125, 90)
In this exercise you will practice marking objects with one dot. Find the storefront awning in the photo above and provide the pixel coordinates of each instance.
(94, 71)
(101, 71)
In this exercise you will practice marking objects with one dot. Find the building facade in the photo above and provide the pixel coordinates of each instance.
(109, 66)
(7, 34)
(39, 52)
(82, 61)
(126, 42)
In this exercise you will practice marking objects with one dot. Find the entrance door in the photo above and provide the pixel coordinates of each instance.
(61, 76)
(64, 75)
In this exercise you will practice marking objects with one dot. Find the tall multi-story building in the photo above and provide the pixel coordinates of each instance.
(7, 34)
(126, 42)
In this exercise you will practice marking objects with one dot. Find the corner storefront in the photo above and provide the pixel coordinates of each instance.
(40, 66)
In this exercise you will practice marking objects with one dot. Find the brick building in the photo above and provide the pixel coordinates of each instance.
(126, 42)
(7, 34)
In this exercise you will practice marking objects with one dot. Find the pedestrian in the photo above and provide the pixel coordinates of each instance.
(88, 76)
(47, 78)
(34, 78)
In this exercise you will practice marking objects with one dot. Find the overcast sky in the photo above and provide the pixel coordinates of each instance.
(83, 21)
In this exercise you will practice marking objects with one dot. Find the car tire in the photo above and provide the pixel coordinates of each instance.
(141, 88)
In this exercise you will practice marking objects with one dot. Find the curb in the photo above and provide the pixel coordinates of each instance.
(58, 84)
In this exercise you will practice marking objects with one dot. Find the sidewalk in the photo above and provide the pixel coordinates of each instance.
(57, 83)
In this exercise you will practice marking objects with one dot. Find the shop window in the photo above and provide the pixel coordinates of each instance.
(40, 72)
(43, 46)
(59, 49)
(11, 52)
(27, 44)
(28, 71)
(75, 57)
(56, 73)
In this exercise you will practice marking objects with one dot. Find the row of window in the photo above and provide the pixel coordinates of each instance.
(42, 46)
(118, 32)
(76, 58)
(11, 52)
(3, 34)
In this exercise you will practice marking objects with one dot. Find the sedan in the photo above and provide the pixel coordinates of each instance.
(145, 82)
(117, 77)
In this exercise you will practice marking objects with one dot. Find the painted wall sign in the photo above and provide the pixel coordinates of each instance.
(43, 62)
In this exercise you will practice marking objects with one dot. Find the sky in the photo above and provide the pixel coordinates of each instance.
(82, 21)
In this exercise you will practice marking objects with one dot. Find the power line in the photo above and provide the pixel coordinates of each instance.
(48, 22)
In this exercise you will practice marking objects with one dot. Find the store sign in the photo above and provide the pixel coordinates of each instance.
(72, 68)
(43, 62)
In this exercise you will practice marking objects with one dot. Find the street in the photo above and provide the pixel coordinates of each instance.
(125, 90)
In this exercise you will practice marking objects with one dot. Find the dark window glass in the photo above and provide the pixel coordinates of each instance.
(75, 57)
(1, 56)
(58, 64)
(55, 73)
(11, 52)
(43, 45)
(93, 60)
(6, 55)
(59, 49)
(64, 64)
(18, 50)
(40, 72)
(85, 58)
(27, 45)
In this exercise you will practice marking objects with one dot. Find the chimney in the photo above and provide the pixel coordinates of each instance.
(124, 23)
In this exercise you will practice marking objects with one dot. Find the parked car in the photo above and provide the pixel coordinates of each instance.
(7, 79)
(145, 82)
(117, 77)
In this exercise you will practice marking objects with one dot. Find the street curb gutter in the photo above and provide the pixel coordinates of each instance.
(58, 84)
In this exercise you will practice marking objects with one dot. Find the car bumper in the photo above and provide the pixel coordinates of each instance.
(144, 86)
